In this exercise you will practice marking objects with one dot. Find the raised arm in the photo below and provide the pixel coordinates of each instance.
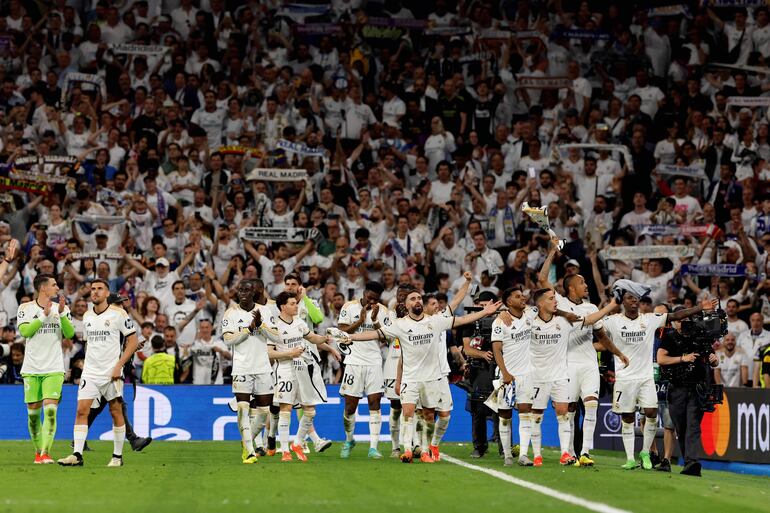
(462, 292)
(706, 304)
(542, 277)
(597, 316)
(475, 316)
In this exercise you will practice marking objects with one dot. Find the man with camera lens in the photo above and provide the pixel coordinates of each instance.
(477, 345)
(685, 354)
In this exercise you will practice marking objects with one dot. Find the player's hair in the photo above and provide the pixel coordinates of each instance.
(540, 293)
(507, 293)
(175, 284)
(283, 298)
(374, 286)
(40, 280)
(568, 280)
(294, 277)
(99, 280)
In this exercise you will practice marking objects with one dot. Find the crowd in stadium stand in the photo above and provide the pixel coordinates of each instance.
(413, 131)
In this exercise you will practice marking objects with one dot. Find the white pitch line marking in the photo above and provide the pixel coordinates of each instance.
(550, 492)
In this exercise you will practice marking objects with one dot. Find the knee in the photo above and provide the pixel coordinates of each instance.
(308, 411)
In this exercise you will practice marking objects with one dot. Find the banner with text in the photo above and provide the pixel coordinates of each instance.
(641, 252)
(200, 412)
(278, 234)
(274, 174)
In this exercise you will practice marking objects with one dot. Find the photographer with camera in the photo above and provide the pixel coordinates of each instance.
(477, 346)
(685, 355)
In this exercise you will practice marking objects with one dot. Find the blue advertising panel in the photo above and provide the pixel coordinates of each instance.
(188, 412)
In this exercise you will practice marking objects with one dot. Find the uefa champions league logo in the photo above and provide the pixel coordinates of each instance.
(611, 421)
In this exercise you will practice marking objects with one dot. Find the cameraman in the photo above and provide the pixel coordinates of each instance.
(477, 346)
(685, 361)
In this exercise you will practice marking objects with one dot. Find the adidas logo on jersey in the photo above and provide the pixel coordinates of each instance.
(285, 332)
(409, 331)
(624, 328)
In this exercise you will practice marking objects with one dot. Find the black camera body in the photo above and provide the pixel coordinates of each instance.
(698, 334)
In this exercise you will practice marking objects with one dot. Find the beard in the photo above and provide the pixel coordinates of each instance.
(417, 309)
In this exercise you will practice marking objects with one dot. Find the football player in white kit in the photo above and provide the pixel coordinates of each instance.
(420, 373)
(550, 378)
(445, 403)
(390, 373)
(634, 334)
(288, 335)
(309, 312)
(510, 345)
(582, 363)
(363, 366)
(252, 375)
(106, 327)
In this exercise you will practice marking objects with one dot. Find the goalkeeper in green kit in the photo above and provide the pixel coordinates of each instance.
(43, 324)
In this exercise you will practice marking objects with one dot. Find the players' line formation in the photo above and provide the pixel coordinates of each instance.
(546, 352)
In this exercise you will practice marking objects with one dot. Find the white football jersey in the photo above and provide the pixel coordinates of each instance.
(636, 339)
(206, 364)
(548, 347)
(42, 353)
(418, 341)
(516, 340)
(581, 344)
(304, 316)
(105, 333)
(292, 334)
(366, 352)
(390, 366)
(250, 356)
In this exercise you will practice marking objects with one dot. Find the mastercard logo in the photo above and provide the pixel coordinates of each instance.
(715, 429)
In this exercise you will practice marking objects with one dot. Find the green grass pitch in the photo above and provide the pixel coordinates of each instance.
(202, 477)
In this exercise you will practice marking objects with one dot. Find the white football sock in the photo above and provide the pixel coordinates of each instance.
(314, 437)
(419, 426)
(627, 432)
(537, 433)
(589, 426)
(427, 433)
(525, 433)
(409, 432)
(79, 435)
(284, 422)
(564, 432)
(118, 437)
(244, 424)
(648, 433)
(442, 424)
(375, 423)
(349, 423)
(258, 417)
(304, 427)
(273, 425)
(395, 427)
(505, 436)
(571, 444)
